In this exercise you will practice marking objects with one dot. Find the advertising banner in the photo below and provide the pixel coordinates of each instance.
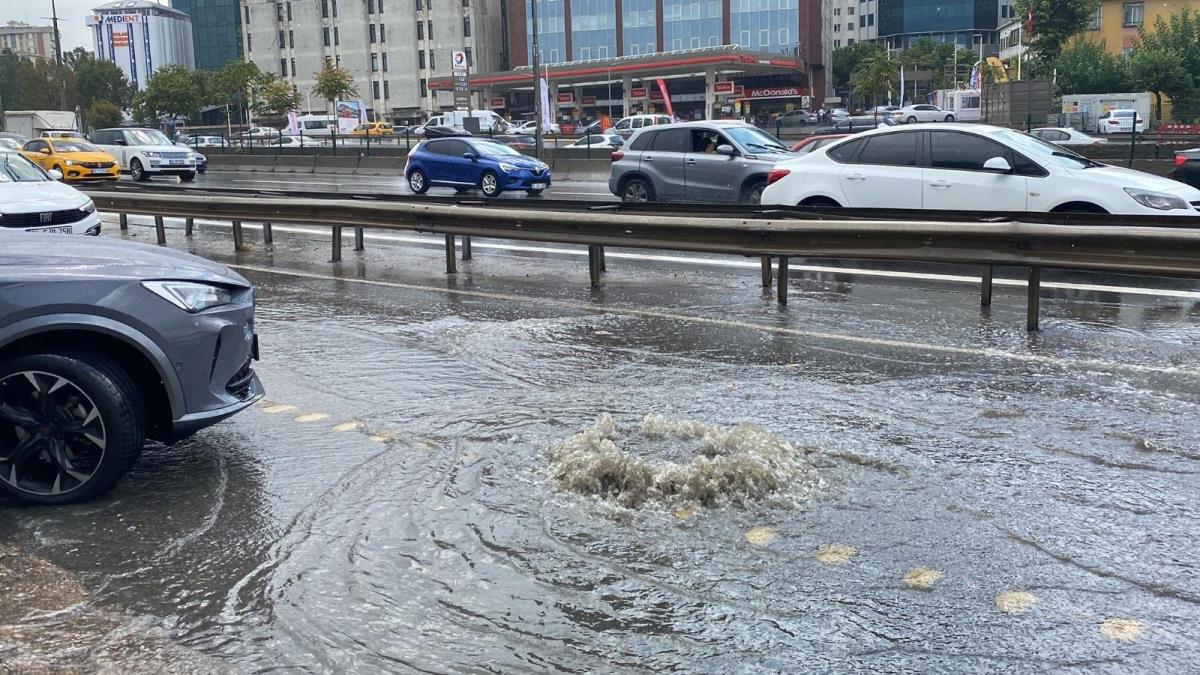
(350, 114)
(637, 92)
(547, 111)
(723, 87)
(498, 104)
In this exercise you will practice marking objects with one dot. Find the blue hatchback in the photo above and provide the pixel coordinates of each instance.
(470, 163)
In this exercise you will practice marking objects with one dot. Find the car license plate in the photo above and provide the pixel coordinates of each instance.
(176, 162)
(100, 171)
(64, 229)
(538, 186)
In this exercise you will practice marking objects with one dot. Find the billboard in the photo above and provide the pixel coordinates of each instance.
(350, 114)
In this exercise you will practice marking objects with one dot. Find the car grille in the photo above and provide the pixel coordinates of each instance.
(96, 165)
(41, 219)
(175, 155)
(239, 384)
(537, 171)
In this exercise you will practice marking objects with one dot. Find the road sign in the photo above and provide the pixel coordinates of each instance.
(458, 61)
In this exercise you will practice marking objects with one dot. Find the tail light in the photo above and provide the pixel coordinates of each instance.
(1180, 160)
(776, 175)
(618, 156)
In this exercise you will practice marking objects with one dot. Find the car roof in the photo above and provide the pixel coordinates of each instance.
(983, 129)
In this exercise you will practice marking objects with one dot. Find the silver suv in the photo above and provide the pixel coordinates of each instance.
(725, 162)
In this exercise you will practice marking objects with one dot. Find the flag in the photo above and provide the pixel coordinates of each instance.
(901, 84)
(662, 86)
(1029, 21)
(547, 113)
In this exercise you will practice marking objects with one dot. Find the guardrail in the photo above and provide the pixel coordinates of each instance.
(1163, 251)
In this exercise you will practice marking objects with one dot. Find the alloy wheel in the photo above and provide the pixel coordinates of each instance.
(52, 435)
(635, 191)
(416, 181)
(489, 184)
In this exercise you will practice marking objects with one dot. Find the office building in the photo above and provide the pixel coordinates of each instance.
(1116, 22)
(852, 21)
(392, 48)
(35, 42)
(971, 24)
(216, 30)
(141, 37)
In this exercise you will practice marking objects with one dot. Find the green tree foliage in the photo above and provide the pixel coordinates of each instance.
(334, 83)
(1168, 62)
(1088, 68)
(875, 78)
(103, 114)
(101, 81)
(276, 99)
(846, 60)
(76, 56)
(939, 59)
(1055, 22)
(237, 84)
(172, 91)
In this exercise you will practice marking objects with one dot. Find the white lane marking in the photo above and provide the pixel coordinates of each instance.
(742, 264)
(1082, 364)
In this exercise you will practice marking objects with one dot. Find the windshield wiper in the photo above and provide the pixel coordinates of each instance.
(1087, 163)
(768, 148)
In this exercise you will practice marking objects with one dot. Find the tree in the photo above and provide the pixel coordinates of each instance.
(73, 58)
(1055, 22)
(1168, 62)
(237, 84)
(846, 60)
(875, 78)
(103, 114)
(172, 91)
(1160, 70)
(334, 83)
(101, 81)
(276, 99)
(1088, 68)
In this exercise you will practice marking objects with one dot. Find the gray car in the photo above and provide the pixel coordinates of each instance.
(104, 344)
(724, 162)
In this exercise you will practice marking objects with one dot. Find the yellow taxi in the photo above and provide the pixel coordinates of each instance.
(74, 158)
(373, 129)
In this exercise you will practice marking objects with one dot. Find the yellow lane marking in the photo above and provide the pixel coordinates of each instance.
(348, 426)
(381, 438)
(835, 554)
(922, 578)
(279, 408)
(1122, 630)
(1015, 602)
(312, 417)
(761, 535)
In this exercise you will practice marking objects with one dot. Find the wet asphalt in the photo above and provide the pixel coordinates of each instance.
(988, 500)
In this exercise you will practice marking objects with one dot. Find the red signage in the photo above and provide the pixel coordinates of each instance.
(497, 103)
(656, 95)
(637, 92)
(565, 99)
(775, 92)
(588, 100)
(739, 91)
(723, 87)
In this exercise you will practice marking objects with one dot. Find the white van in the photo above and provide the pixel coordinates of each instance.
(314, 125)
(488, 120)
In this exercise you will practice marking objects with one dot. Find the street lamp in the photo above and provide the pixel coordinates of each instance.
(537, 86)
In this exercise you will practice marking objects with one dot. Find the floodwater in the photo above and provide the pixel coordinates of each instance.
(506, 472)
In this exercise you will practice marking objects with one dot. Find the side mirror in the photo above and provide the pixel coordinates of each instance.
(119, 141)
(55, 174)
(44, 151)
(726, 150)
(997, 165)
(471, 156)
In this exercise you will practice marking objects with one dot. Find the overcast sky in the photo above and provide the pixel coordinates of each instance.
(71, 14)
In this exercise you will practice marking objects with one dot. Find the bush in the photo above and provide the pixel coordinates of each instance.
(103, 114)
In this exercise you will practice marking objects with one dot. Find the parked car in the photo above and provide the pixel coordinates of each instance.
(838, 114)
(19, 138)
(104, 344)
(474, 163)
(258, 133)
(796, 118)
(596, 142)
(969, 168)
(1066, 136)
(10, 143)
(202, 141)
(33, 200)
(815, 143)
(72, 158)
(1187, 167)
(372, 129)
(627, 126)
(444, 132)
(297, 142)
(145, 153)
(61, 133)
(530, 127)
(714, 161)
(518, 142)
(1120, 121)
(924, 112)
(854, 125)
(883, 110)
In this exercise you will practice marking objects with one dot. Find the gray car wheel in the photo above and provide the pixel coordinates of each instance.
(136, 170)
(418, 182)
(71, 425)
(490, 184)
(637, 191)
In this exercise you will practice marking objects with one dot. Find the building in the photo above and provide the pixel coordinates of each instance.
(216, 30)
(142, 36)
(971, 24)
(392, 48)
(852, 21)
(35, 42)
(1116, 22)
(1013, 49)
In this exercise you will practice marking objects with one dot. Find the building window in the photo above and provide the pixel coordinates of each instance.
(325, 36)
(837, 43)
(279, 11)
(419, 5)
(421, 59)
(337, 40)
(432, 60)
(289, 11)
(382, 33)
(386, 89)
(1094, 22)
(337, 60)
(374, 63)
(429, 30)
(249, 42)
(370, 6)
(380, 8)
(466, 3)
(470, 60)
(283, 67)
(324, 9)
(1134, 13)
(328, 60)
(375, 88)
(291, 39)
(420, 30)
(423, 88)
(466, 26)
(371, 32)
(334, 8)
(281, 40)
(385, 62)
(293, 67)
(849, 42)
(247, 15)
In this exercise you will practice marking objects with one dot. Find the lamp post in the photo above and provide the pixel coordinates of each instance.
(537, 86)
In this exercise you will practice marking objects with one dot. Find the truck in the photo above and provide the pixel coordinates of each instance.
(964, 103)
(32, 123)
(1083, 111)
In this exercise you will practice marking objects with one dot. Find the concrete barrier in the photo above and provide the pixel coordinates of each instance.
(294, 164)
(260, 163)
(380, 166)
(338, 165)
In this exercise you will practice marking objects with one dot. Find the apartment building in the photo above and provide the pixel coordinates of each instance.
(36, 42)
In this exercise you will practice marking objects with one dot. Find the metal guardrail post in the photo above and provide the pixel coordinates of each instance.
(268, 233)
(189, 224)
(160, 231)
(358, 239)
(1035, 297)
(985, 287)
(124, 222)
(766, 271)
(594, 265)
(451, 263)
(603, 260)
(466, 248)
(783, 279)
(337, 244)
(238, 240)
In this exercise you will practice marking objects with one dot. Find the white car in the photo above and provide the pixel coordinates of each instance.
(259, 132)
(33, 200)
(1120, 122)
(146, 152)
(969, 168)
(297, 142)
(628, 126)
(1066, 136)
(596, 142)
(202, 141)
(530, 128)
(838, 114)
(911, 114)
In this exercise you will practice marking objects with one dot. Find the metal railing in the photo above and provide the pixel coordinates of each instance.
(1152, 250)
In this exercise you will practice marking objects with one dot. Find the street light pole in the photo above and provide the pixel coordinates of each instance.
(537, 85)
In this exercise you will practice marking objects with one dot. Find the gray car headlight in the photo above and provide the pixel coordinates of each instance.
(151, 153)
(189, 296)
(89, 207)
(507, 168)
(1156, 200)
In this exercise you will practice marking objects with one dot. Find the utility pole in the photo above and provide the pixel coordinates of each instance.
(58, 58)
(537, 85)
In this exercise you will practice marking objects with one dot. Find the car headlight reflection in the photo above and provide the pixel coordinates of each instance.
(508, 168)
(1159, 201)
(190, 296)
(89, 207)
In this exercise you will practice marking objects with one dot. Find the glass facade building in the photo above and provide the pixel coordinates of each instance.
(941, 20)
(691, 24)
(216, 30)
(552, 31)
(639, 27)
(593, 29)
(765, 25)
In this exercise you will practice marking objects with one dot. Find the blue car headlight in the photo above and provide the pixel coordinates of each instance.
(508, 168)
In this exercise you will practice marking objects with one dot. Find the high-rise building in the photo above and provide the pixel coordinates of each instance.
(216, 30)
(392, 48)
(971, 24)
(35, 42)
(852, 21)
(142, 36)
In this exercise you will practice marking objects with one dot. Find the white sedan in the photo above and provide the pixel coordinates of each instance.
(1066, 136)
(298, 142)
(911, 114)
(596, 142)
(969, 168)
(530, 128)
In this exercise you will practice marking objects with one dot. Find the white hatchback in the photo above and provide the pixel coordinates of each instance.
(960, 167)
(33, 201)
(1120, 122)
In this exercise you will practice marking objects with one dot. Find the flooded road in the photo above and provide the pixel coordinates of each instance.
(506, 471)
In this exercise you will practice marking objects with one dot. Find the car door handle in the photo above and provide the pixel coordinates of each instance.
(856, 177)
(940, 184)
(647, 159)
(691, 161)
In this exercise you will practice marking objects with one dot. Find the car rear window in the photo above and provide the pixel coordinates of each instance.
(673, 140)
(1123, 113)
(846, 151)
(642, 141)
